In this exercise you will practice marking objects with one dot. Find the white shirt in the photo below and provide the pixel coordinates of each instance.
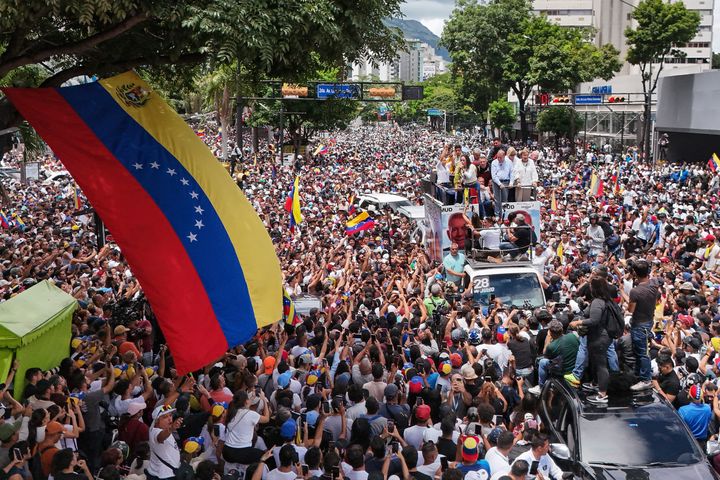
(414, 435)
(499, 463)
(546, 466)
(168, 451)
(526, 173)
(241, 429)
(299, 449)
(276, 474)
(209, 447)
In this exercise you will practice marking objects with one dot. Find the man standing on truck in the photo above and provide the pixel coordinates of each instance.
(454, 263)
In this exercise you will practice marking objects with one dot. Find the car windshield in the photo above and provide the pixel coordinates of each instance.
(517, 289)
(635, 440)
(402, 203)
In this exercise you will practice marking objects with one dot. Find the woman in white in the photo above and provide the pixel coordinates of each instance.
(240, 432)
(524, 176)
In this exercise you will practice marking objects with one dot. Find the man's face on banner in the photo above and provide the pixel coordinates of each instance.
(456, 228)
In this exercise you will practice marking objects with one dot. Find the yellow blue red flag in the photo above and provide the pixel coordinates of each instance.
(195, 243)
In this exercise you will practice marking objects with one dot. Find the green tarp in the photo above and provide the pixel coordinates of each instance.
(35, 328)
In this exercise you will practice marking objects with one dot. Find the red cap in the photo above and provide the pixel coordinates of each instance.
(422, 412)
(710, 238)
(415, 387)
(456, 360)
(664, 260)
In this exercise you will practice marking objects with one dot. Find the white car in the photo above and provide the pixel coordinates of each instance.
(378, 201)
(62, 175)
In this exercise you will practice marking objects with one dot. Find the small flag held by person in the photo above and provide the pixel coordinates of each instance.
(289, 314)
(358, 224)
(553, 202)
(292, 205)
(714, 163)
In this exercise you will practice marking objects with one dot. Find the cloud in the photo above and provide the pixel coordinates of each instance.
(431, 13)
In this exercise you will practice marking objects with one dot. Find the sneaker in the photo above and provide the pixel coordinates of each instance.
(642, 385)
(589, 387)
(598, 399)
(535, 390)
(572, 380)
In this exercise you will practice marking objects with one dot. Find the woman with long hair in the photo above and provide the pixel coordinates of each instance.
(598, 339)
(241, 422)
(523, 352)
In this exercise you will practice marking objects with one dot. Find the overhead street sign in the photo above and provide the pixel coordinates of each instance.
(588, 99)
(337, 90)
(434, 112)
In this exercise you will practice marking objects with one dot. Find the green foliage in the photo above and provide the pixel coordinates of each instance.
(502, 114)
(556, 120)
(500, 45)
(660, 27)
(716, 61)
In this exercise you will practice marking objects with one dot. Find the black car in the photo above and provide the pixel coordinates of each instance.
(633, 437)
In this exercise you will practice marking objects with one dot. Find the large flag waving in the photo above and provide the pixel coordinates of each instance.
(197, 247)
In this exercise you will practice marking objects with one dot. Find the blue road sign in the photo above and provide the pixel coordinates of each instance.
(588, 99)
(602, 90)
(434, 112)
(337, 90)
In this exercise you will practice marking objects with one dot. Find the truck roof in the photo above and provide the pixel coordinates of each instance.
(500, 268)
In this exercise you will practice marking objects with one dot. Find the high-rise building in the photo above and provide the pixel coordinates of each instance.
(610, 19)
(411, 61)
(415, 63)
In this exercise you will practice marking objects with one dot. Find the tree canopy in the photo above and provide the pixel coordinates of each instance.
(557, 120)
(661, 28)
(499, 46)
(58, 40)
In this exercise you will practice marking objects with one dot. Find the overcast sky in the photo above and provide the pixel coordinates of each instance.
(433, 13)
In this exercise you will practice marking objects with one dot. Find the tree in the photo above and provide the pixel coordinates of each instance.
(716, 61)
(70, 38)
(660, 28)
(558, 121)
(519, 51)
(502, 114)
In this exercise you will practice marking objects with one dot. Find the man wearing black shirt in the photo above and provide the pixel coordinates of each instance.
(667, 384)
(520, 238)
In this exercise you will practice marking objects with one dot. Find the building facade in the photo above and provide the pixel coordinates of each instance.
(610, 19)
(416, 63)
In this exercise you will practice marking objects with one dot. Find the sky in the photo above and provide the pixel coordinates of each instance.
(433, 13)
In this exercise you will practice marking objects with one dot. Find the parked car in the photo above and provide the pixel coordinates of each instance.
(638, 436)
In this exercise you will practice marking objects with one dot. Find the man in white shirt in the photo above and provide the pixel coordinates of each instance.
(497, 456)
(284, 471)
(164, 451)
(414, 435)
(540, 447)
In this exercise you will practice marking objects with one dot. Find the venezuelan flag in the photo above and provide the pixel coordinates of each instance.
(354, 221)
(553, 202)
(295, 214)
(4, 220)
(76, 198)
(202, 255)
(714, 163)
(289, 314)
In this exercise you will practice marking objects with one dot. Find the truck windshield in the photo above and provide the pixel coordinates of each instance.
(521, 290)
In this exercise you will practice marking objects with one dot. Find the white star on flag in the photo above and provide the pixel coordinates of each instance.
(199, 210)
(155, 165)
(194, 195)
(171, 171)
(185, 181)
(192, 237)
(199, 224)
(138, 166)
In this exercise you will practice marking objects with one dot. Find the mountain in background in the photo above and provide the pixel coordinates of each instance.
(415, 29)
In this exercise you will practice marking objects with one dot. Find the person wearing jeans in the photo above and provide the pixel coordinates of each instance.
(581, 361)
(501, 170)
(641, 304)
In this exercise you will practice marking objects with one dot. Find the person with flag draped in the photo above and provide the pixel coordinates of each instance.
(292, 205)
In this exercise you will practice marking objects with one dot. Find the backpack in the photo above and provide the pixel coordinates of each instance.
(614, 321)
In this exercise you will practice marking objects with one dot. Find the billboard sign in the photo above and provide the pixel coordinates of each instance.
(337, 90)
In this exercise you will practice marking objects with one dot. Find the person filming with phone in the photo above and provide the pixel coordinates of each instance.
(542, 466)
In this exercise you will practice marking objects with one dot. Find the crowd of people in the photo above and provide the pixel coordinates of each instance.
(390, 377)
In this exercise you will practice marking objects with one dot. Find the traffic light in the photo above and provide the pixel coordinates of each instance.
(561, 99)
(542, 99)
(616, 99)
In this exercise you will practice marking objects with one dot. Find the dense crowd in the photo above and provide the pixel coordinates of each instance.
(396, 374)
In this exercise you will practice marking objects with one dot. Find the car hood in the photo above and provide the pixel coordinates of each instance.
(690, 472)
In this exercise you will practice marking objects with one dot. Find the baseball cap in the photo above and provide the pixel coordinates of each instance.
(7, 430)
(416, 384)
(391, 391)
(283, 380)
(470, 450)
(193, 444)
(312, 417)
(136, 407)
(53, 428)
(312, 377)
(120, 329)
(710, 238)
(494, 434)
(695, 392)
(288, 429)
(269, 365)
(456, 360)
(218, 409)
(422, 412)
(445, 368)
(468, 372)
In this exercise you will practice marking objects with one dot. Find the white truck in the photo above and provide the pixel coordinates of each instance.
(515, 283)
